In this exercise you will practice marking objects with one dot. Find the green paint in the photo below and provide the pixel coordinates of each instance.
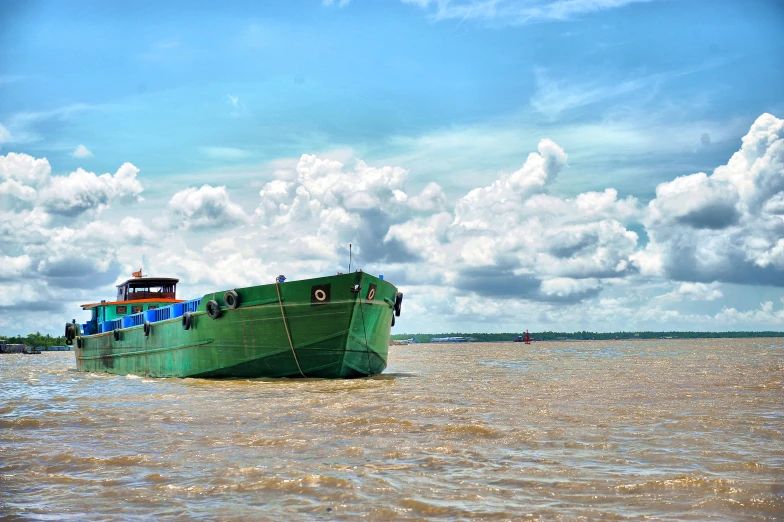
(348, 336)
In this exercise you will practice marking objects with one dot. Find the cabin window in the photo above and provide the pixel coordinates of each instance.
(152, 307)
(121, 310)
(136, 309)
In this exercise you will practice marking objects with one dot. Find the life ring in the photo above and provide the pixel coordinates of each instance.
(147, 328)
(232, 299)
(187, 321)
(398, 303)
(213, 309)
(116, 334)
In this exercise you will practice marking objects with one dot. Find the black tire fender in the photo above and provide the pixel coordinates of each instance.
(393, 319)
(147, 328)
(68, 331)
(187, 321)
(116, 333)
(398, 303)
(213, 309)
(79, 343)
(232, 299)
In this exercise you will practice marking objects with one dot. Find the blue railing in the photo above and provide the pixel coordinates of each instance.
(108, 326)
(158, 314)
(192, 305)
(133, 320)
(154, 315)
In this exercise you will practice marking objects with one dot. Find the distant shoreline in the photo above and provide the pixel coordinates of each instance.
(587, 336)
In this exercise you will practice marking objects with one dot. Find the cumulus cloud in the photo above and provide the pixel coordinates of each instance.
(81, 152)
(504, 250)
(26, 181)
(512, 239)
(726, 226)
(327, 205)
(24, 169)
(13, 267)
(83, 191)
(694, 292)
(765, 315)
(205, 208)
(508, 192)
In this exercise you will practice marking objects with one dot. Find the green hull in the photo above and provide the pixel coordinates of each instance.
(343, 335)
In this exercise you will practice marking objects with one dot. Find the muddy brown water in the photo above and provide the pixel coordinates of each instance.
(669, 430)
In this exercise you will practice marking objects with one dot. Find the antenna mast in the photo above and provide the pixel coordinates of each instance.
(349, 258)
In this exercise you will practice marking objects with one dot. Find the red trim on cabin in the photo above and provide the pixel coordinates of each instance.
(105, 303)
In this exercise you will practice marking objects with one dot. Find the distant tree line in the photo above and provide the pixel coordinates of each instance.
(584, 336)
(35, 339)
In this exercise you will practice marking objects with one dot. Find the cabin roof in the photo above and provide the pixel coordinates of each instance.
(132, 302)
(149, 280)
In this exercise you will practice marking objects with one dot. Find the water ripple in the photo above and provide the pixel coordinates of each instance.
(670, 429)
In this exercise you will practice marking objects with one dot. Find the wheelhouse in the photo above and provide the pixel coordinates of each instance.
(134, 297)
(147, 288)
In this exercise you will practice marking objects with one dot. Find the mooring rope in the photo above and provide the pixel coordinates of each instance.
(364, 329)
(286, 325)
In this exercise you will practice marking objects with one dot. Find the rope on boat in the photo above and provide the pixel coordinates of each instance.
(286, 325)
(367, 347)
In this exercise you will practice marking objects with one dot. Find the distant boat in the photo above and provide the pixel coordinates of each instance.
(5, 347)
(329, 327)
(452, 339)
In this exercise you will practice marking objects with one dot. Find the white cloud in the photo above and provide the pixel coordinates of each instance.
(516, 12)
(13, 267)
(481, 208)
(82, 191)
(327, 205)
(24, 169)
(694, 292)
(508, 249)
(510, 237)
(564, 287)
(726, 226)
(81, 152)
(765, 315)
(204, 208)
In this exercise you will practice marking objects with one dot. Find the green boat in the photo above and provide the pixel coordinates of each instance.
(328, 327)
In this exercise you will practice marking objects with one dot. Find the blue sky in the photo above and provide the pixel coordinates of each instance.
(454, 93)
